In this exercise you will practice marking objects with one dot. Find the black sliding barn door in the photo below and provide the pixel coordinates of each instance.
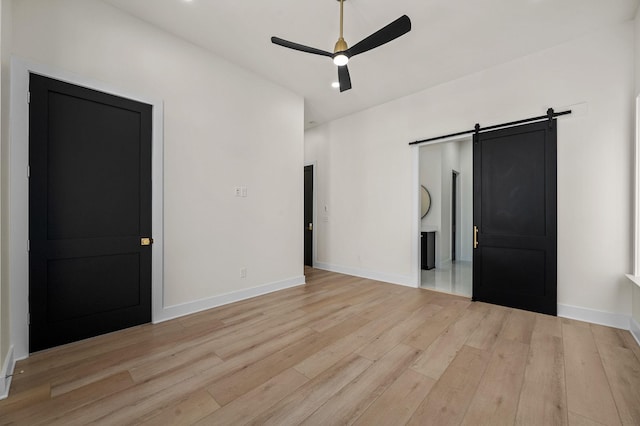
(89, 206)
(514, 212)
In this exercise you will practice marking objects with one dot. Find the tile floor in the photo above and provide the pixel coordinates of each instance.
(452, 277)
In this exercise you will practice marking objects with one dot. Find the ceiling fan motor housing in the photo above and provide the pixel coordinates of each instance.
(341, 46)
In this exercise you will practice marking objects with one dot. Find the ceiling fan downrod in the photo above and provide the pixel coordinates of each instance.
(341, 45)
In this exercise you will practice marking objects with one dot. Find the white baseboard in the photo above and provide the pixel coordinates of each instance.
(372, 275)
(175, 311)
(596, 317)
(634, 327)
(7, 370)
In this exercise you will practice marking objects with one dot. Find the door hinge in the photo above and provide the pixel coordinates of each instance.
(28, 172)
(29, 318)
(28, 245)
(28, 97)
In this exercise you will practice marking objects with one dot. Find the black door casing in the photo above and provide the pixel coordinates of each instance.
(515, 262)
(89, 206)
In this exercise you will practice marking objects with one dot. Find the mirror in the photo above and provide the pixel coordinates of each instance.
(425, 201)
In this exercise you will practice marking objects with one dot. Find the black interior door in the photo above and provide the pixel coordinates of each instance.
(514, 211)
(89, 206)
(308, 215)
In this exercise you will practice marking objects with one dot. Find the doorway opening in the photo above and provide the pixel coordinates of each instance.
(18, 213)
(454, 213)
(446, 171)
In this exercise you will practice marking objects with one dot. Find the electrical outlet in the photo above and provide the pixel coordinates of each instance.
(243, 191)
(238, 191)
(243, 272)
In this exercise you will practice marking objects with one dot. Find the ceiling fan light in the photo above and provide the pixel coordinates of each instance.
(340, 59)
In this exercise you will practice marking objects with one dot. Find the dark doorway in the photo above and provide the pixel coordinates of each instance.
(454, 213)
(308, 215)
(514, 212)
(89, 213)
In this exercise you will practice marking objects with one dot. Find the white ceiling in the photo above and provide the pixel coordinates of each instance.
(449, 39)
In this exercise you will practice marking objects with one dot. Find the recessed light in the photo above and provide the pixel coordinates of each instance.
(335, 85)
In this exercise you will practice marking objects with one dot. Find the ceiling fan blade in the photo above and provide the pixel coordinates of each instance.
(300, 47)
(344, 78)
(400, 26)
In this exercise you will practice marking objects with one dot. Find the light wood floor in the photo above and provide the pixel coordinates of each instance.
(340, 350)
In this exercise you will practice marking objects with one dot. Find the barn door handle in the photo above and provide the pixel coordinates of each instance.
(475, 237)
(146, 241)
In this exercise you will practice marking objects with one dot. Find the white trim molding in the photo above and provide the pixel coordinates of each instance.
(18, 229)
(407, 281)
(6, 373)
(175, 311)
(595, 317)
(634, 328)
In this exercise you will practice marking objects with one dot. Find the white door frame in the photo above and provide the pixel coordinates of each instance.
(18, 223)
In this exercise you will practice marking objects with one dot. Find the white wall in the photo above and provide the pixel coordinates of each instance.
(5, 39)
(223, 127)
(594, 166)
(635, 288)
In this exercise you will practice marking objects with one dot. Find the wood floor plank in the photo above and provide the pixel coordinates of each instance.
(548, 325)
(307, 399)
(588, 391)
(394, 335)
(519, 326)
(622, 370)
(38, 412)
(578, 420)
(375, 298)
(543, 397)
(26, 398)
(140, 399)
(435, 360)
(351, 401)
(153, 367)
(67, 362)
(233, 344)
(447, 402)
(496, 399)
(328, 356)
(424, 336)
(250, 405)
(240, 382)
(116, 361)
(184, 412)
(486, 335)
(398, 403)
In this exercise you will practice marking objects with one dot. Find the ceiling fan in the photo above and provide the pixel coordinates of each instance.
(342, 53)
